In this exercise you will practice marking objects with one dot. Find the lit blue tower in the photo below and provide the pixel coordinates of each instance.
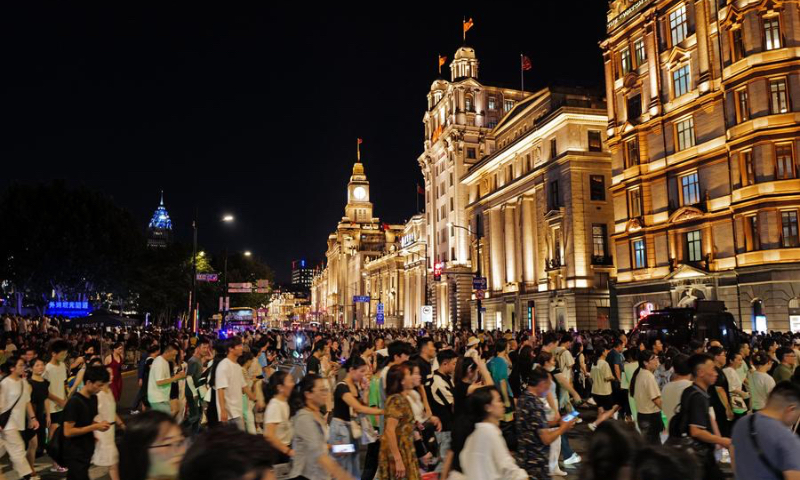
(159, 231)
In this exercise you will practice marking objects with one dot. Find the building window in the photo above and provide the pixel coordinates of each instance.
(690, 188)
(597, 187)
(471, 153)
(638, 47)
(553, 148)
(451, 204)
(742, 106)
(752, 237)
(555, 197)
(680, 81)
(451, 179)
(694, 247)
(639, 254)
(777, 94)
(634, 107)
(632, 152)
(685, 133)
(599, 240)
(634, 203)
(625, 60)
(678, 28)
(595, 141)
(468, 103)
(772, 33)
(737, 42)
(509, 104)
(748, 170)
(789, 237)
(784, 167)
(492, 123)
(492, 105)
(527, 162)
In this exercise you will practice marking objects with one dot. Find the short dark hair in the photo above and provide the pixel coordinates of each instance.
(96, 374)
(318, 347)
(58, 346)
(698, 359)
(202, 341)
(681, 364)
(566, 338)
(172, 346)
(785, 392)
(761, 358)
(154, 348)
(398, 348)
(422, 342)
(236, 455)
(549, 337)
(782, 352)
(714, 351)
(232, 343)
(535, 376)
(445, 355)
(500, 345)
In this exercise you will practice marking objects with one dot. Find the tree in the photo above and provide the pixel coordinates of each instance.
(241, 269)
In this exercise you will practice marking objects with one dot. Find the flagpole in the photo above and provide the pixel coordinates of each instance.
(416, 194)
(521, 75)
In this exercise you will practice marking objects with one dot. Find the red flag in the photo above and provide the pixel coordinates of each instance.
(385, 226)
(420, 190)
(526, 63)
(360, 141)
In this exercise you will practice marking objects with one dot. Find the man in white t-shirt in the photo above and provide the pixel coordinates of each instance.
(160, 379)
(16, 393)
(55, 372)
(681, 380)
(230, 385)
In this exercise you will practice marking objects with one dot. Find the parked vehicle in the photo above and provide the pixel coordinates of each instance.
(677, 326)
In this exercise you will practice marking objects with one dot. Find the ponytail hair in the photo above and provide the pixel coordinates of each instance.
(270, 387)
(644, 357)
(298, 399)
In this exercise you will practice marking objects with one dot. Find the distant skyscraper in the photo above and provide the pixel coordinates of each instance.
(159, 231)
(302, 274)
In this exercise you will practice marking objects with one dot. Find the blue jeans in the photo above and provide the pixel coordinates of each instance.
(444, 440)
(340, 434)
(566, 450)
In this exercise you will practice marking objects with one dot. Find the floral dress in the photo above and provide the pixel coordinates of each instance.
(532, 454)
(398, 407)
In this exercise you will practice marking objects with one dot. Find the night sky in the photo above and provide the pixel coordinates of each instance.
(256, 112)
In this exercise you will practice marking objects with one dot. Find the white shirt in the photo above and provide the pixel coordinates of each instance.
(761, 384)
(57, 376)
(159, 370)
(671, 397)
(9, 393)
(278, 413)
(229, 377)
(485, 456)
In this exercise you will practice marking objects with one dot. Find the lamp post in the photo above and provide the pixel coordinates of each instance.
(225, 219)
(477, 268)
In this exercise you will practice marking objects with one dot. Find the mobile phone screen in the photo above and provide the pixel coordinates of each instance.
(570, 416)
(345, 448)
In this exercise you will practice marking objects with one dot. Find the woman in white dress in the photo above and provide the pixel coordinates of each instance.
(105, 449)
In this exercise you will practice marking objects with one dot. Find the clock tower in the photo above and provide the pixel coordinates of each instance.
(359, 208)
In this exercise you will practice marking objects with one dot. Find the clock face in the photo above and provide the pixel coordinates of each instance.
(360, 193)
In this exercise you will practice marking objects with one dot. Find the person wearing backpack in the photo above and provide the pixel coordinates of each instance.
(691, 427)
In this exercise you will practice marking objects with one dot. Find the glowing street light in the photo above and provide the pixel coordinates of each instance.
(201, 254)
(227, 218)
(248, 253)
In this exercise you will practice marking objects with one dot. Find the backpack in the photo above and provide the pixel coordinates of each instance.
(678, 429)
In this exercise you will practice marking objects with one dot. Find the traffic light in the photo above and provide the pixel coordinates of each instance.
(437, 271)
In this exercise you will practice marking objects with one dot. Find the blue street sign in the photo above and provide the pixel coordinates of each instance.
(379, 315)
(479, 283)
(360, 298)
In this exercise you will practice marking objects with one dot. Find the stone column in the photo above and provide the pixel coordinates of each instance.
(608, 59)
(496, 247)
(528, 248)
(651, 48)
(511, 268)
(701, 31)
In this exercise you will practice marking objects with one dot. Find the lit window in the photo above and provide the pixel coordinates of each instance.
(752, 236)
(690, 187)
(742, 105)
(694, 250)
(509, 104)
(777, 93)
(737, 41)
(625, 60)
(680, 81)
(632, 152)
(748, 169)
(789, 237)
(784, 162)
(597, 187)
(492, 102)
(471, 153)
(638, 47)
(772, 33)
(599, 240)
(553, 148)
(468, 103)
(634, 203)
(685, 133)
(595, 141)
(678, 28)
(639, 254)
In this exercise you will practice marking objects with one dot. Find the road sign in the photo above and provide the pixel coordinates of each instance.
(426, 313)
(479, 283)
(479, 294)
(360, 298)
(379, 315)
(240, 285)
(207, 277)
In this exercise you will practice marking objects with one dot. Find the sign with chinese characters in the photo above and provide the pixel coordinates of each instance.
(207, 277)
(240, 285)
(360, 298)
(68, 309)
(379, 316)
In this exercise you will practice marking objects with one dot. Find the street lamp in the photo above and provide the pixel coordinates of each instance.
(477, 267)
(227, 218)
(248, 253)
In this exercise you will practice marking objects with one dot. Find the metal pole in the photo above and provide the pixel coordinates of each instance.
(193, 306)
(225, 286)
(478, 260)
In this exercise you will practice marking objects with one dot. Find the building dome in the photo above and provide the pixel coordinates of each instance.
(439, 84)
(465, 53)
(464, 64)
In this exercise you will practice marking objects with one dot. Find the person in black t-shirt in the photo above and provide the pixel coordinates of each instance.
(313, 363)
(79, 423)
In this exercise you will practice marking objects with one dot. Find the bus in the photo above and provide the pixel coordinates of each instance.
(240, 318)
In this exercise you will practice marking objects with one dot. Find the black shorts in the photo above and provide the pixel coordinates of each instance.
(56, 418)
(605, 401)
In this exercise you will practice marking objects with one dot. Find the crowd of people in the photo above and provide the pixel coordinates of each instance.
(396, 404)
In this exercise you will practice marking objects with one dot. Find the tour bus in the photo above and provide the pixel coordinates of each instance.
(677, 326)
(240, 318)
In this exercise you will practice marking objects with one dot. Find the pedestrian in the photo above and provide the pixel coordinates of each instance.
(227, 453)
(602, 390)
(230, 385)
(484, 455)
(152, 448)
(397, 455)
(442, 401)
(55, 372)
(312, 460)
(736, 394)
(764, 443)
(277, 420)
(786, 364)
(40, 389)
(680, 380)
(719, 395)
(160, 379)
(194, 372)
(113, 362)
(105, 450)
(80, 424)
(15, 397)
(760, 382)
(647, 396)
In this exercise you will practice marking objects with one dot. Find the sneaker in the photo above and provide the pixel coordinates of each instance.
(592, 427)
(575, 458)
(558, 473)
(591, 402)
(58, 469)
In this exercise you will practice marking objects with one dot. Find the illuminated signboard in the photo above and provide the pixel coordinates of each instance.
(68, 309)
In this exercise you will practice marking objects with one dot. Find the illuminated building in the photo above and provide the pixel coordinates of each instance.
(540, 204)
(703, 107)
(159, 230)
(359, 237)
(460, 115)
(302, 274)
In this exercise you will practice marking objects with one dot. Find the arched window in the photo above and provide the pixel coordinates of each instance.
(469, 104)
(759, 317)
